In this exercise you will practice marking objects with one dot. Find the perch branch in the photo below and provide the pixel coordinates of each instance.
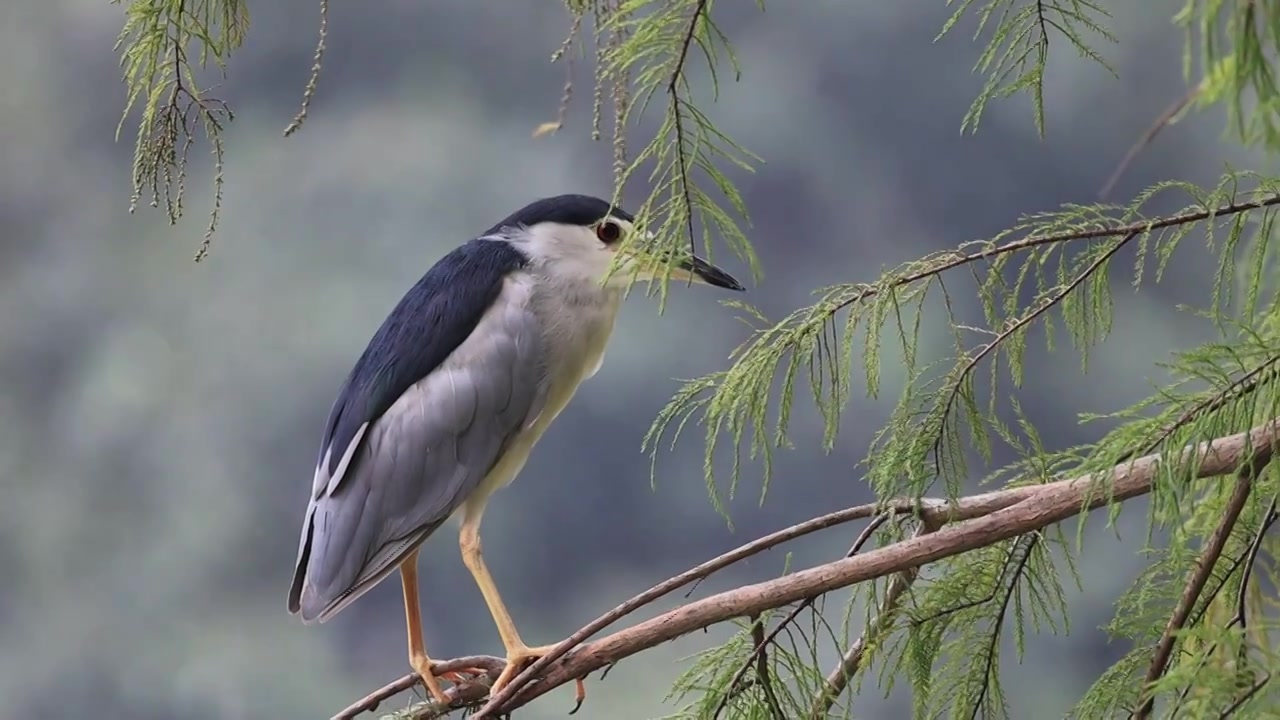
(979, 521)
(1037, 508)
(459, 696)
(930, 510)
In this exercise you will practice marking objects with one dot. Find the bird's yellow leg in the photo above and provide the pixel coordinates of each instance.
(413, 622)
(518, 654)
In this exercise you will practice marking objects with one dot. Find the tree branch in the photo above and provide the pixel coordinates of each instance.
(982, 519)
(762, 642)
(1238, 388)
(1200, 576)
(762, 669)
(1021, 555)
(1164, 120)
(930, 510)
(991, 251)
(1034, 508)
(1014, 325)
(673, 92)
(459, 696)
(838, 679)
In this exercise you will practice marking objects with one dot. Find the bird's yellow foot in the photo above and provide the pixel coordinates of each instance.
(422, 666)
(518, 658)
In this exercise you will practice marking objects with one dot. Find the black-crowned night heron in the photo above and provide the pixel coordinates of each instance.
(450, 396)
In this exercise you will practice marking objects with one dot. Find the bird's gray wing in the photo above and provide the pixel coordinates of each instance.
(405, 472)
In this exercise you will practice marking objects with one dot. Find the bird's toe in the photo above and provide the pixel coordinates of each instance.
(431, 680)
(519, 657)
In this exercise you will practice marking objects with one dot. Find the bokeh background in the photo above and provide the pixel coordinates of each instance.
(159, 419)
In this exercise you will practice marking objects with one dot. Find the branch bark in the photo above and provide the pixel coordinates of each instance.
(980, 520)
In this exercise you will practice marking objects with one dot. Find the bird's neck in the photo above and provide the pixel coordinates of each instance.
(577, 322)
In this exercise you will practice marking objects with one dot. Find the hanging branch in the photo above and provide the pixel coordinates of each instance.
(1245, 478)
(844, 671)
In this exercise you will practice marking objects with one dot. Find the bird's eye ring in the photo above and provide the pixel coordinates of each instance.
(608, 232)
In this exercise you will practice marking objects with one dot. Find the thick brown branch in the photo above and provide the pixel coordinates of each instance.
(1200, 576)
(931, 510)
(985, 519)
(1042, 506)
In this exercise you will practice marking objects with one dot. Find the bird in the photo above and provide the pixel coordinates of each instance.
(450, 396)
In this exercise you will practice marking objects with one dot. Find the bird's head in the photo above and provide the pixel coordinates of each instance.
(578, 237)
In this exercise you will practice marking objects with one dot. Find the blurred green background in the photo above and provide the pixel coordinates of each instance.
(159, 419)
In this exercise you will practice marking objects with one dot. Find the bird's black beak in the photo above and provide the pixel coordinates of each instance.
(703, 271)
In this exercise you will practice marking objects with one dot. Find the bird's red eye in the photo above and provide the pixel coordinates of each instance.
(608, 232)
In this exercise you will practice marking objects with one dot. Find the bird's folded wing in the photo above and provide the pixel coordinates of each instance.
(405, 472)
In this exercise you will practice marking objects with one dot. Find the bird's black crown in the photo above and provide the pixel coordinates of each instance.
(581, 210)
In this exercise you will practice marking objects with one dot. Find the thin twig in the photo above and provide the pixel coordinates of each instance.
(309, 92)
(995, 588)
(838, 679)
(1164, 120)
(762, 668)
(762, 642)
(1142, 226)
(1236, 389)
(1251, 557)
(1246, 697)
(957, 386)
(1200, 576)
(678, 115)
(993, 647)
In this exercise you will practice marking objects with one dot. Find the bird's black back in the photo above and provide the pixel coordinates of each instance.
(429, 323)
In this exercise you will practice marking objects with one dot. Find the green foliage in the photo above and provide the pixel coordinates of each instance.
(1017, 49)
(1225, 649)
(160, 72)
(652, 52)
(1047, 279)
(1047, 276)
(1234, 45)
(1059, 259)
